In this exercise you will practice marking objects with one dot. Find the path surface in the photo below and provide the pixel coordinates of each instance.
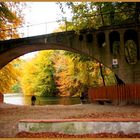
(11, 114)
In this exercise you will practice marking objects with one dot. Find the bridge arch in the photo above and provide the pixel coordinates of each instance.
(16, 52)
(101, 39)
(114, 38)
(89, 38)
(131, 46)
(131, 34)
(101, 46)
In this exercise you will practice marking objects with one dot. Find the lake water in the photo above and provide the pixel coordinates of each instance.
(19, 99)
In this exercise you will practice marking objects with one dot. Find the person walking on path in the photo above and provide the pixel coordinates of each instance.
(33, 99)
(82, 98)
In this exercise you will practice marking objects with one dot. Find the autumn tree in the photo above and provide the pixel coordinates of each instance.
(67, 74)
(11, 17)
(38, 76)
(88, 15)
(62, 73)
(74, 72)
(9, 75)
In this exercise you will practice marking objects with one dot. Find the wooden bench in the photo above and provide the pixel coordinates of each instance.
(102, 101)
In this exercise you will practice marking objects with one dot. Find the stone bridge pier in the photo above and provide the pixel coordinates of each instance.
(117, 47)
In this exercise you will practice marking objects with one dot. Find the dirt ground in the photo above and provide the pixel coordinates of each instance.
(11, 114)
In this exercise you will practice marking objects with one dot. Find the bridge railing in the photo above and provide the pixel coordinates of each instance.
(129, 93)
(33, 30)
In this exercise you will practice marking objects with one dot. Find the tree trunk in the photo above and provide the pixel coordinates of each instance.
(101, 71)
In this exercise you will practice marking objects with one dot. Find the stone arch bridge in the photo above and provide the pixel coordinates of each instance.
(117, 47)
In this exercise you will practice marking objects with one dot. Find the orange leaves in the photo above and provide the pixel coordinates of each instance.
(39, 75)
(11, 18)
(8, 76)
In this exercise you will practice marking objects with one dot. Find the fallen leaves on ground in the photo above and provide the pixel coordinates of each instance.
(60, 135)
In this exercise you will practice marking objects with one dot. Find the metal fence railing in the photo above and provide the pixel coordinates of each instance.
(33, 30)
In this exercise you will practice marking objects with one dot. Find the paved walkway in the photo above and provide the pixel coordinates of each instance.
(11, 114)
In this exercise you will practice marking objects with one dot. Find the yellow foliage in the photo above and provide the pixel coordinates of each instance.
(37, 78)
(28, 78)
(9, 75)
(11, 18)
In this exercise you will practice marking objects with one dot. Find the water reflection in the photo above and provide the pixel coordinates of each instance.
(19, 99)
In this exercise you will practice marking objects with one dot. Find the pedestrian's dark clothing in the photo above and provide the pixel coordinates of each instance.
(82, 97)
(33, 99)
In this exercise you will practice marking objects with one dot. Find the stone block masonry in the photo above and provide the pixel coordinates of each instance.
(81, 126)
